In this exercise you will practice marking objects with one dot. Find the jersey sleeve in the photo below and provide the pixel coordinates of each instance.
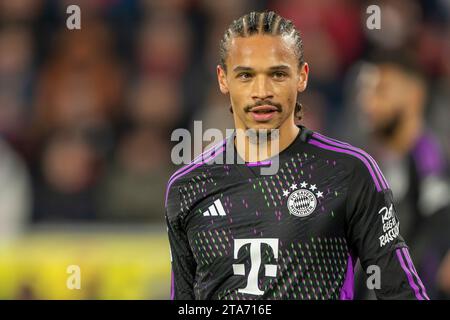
(182, 260)
(373, 230)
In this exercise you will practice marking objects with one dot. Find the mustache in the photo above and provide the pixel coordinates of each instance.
(264, 103)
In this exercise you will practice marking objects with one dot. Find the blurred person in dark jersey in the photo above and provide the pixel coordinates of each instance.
(236, 233)
(392, 98)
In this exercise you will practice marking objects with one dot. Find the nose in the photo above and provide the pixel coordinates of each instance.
(262, 88)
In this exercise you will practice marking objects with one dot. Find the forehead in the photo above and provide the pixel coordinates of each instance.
(261, 51)
(391, 75)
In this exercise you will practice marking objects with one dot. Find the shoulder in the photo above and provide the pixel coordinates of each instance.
(428, 156)
(362, 164)
(184, 174)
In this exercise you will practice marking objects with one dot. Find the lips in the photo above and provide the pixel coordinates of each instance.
(263, 113)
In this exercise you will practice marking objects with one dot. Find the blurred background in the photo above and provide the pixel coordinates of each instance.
(86, 118)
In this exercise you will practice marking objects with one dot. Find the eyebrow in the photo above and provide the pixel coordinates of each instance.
(243, 68)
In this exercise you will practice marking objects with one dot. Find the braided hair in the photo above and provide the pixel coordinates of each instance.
(267, 22)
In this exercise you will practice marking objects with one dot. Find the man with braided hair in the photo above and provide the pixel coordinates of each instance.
(236, 233)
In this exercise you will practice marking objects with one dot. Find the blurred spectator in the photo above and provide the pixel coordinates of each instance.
(392, 99)
(164, 49)
(216, 115)
(155, 101)
(166, 6)
(400, 24)
(15, 195)
(16, 75)
(81, 83)
(132, 190)
(336, 25)
(20, 10)
(163, 45)
(65, 185)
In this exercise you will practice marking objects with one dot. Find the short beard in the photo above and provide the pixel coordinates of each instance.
(258, 136)
(387, 130)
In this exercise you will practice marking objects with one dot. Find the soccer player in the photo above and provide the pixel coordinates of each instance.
(235, 233)
(393, 99)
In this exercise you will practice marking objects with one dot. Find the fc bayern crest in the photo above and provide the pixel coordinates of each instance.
(302, 202)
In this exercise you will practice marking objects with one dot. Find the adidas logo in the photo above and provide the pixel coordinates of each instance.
(216, 209)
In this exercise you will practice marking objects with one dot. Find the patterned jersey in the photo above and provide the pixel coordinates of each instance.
(236, 233)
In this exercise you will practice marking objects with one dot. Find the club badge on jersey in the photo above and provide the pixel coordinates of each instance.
(302, 202)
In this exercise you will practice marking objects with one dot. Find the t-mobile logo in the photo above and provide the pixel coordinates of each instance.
(255, 259)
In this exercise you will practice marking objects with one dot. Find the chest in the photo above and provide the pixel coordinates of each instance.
(302, 201)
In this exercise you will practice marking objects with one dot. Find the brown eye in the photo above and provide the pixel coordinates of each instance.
(278, 75)
(244, 76)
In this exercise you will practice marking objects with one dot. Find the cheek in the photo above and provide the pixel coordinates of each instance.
(240, 95)
(290, 101)
(376, 105)
(288, 93)
(236, 100)
(388, 104)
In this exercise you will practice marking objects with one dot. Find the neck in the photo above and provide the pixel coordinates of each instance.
(261, 149)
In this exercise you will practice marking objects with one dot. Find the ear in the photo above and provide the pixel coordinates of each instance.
(222, 78)
(303, 77)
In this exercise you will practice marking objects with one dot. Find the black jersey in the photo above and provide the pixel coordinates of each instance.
(422, 192)
(296, 234)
